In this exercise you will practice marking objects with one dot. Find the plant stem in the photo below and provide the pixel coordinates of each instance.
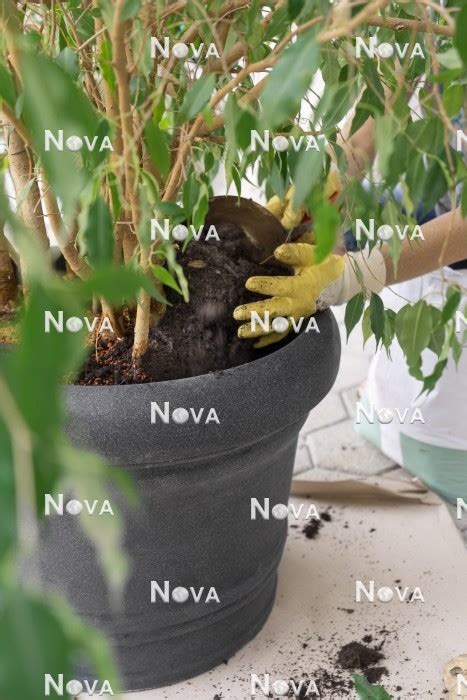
(126, 119)
(28, 198)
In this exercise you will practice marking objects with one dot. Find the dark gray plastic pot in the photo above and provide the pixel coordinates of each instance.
(193, 525)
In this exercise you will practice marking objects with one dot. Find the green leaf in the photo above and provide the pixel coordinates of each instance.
(354, 312)
(366, 325)
(389, 328)
(97, 233)
(177, 269)
(157, 147)
(105, 64)
(435, 185)
(196, 98)
(253, 19)
(306, 173)
(377, 317)
(63, 106)
(201, 207)
(452, 302)
(461, 33)
(8, 531)
(453, 99)
(171, 211)
(369, 105)
(279, 23)
(49, 638)
(336, 101)
(41, 359)
(30, 632)
(413, 329)
(430, 382)
(367, 691)
(427, 134)
(330, 67)
(289, 81)
(450, 59)
(87, 477)
(325, 225)
(238, 124)
(438, 334)
(456, 348)
(7, 88)
(130, 9)
(68, 60)
(191, 189)
(209, 161)
(117, 284)
(230, 115)
(294, 8)
(165, 277)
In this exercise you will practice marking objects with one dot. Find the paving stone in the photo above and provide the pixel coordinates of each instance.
(355, 359)
(349, 398)
(339, 447)
(317, 474)
(331, 410)
(353, 370)
(302, 459)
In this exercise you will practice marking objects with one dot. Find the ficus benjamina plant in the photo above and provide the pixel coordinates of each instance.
(119, 112)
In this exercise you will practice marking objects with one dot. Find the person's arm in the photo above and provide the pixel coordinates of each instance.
(359, 148)
(340, 277)
(445, 242)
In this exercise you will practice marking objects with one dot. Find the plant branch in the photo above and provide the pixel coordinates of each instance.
(11, 117)
(322, 38)
(415, 25)
(121, 71)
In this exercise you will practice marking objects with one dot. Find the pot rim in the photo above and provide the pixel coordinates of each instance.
(221, 372)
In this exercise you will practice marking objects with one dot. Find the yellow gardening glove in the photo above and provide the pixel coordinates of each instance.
(282, 210)
(291, 297)
(289, 217)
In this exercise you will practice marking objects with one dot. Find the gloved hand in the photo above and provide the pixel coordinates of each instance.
(283, 210)
(296, 296)
(333, 281)
(313, 286)
(291, 296)
(290, 217)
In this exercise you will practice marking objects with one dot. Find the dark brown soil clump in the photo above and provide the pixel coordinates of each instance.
(358, 656)
(312, 528)
(375, 674)
(196, 337)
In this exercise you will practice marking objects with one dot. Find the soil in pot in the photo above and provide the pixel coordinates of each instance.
(197, 337)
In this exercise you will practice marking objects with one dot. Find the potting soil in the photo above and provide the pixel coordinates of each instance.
(196, 337)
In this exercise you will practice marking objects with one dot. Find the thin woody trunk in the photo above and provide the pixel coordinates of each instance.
(8, 279)
(121, 71)
(28, 197)
(22, 173)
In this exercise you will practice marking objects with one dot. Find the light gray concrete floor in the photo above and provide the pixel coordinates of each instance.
(328, 444)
